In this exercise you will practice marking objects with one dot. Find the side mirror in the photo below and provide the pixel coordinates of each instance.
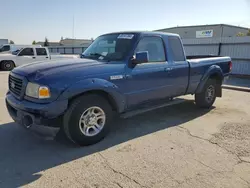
(141, 57)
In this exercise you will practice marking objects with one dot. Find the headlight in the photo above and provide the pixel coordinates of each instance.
(37, 91)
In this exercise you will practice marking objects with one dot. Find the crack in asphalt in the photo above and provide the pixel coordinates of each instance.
(118, 184)
(206, 165)
(118, 172)
(248, 183)
(204, 139)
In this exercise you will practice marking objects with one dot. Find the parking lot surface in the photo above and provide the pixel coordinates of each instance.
(177, 146)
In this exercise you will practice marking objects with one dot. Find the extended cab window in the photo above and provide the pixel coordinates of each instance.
(41, 51)
(154, 47)
(27, 52)
(176, 49)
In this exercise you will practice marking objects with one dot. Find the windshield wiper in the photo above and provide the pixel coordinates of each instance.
(97, 54)
(100, 55)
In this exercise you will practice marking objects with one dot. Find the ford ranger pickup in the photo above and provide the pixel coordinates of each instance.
(118, 74)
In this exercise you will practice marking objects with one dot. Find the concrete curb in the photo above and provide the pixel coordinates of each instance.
(245, 89)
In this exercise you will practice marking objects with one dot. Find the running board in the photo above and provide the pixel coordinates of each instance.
(143, 110)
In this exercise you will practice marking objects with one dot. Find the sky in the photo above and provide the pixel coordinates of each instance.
(26, 20)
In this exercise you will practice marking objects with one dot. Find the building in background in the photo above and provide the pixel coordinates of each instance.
(75, 42)
(69, 42)
(50, 43)
(4, 41)
(206, 31)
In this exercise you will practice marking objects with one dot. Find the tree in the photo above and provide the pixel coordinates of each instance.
(34, 42)
(11, 42)
(46, 42)
(248, 33)
(240, 34)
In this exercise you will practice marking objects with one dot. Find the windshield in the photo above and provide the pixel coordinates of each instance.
(111, 47)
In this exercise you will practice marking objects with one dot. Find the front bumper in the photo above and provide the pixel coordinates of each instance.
(28, 113)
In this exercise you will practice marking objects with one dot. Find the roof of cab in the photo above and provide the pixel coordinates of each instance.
(144, 33)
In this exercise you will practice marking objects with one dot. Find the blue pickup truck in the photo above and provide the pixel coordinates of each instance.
(119, 73)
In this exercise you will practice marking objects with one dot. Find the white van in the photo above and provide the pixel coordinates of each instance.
(9, 48)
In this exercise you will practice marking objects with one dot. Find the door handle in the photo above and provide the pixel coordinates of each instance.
(34, 57)
(47, 57)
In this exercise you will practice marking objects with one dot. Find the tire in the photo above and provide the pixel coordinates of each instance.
(7, 65)
(76, 131)
(207, 97)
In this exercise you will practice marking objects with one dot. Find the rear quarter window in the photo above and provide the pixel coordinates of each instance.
(176, 49)
(41, 51)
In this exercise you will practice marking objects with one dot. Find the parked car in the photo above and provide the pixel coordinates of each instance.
(136, 72)
(28, 55)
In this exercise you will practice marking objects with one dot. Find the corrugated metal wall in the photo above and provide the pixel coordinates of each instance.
(67, 49)
(238, 48)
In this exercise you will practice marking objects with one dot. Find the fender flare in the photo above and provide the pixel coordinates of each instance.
(213, 70)
(95, 85)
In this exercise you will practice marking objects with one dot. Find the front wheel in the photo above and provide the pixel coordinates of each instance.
(206, 98)
(88, 119)
(7, 65)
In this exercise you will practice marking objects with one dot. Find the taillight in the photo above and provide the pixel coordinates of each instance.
(230, 66)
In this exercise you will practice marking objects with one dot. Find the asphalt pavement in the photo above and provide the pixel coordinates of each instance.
(174, 147)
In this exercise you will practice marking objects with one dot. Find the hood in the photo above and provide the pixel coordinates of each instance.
(3, 54)
(66, 70)
(54, 66)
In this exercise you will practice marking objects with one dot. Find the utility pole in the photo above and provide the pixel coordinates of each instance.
(73, 30)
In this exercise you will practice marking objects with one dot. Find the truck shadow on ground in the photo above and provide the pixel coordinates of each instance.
(24, 155)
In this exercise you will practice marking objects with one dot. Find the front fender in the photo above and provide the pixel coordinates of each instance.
(98, 85)
(214, 69)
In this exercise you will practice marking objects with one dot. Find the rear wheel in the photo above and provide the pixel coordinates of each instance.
(206, 98)
(88, 120)
(7, 65)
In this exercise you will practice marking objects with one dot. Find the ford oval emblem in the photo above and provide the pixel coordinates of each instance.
(12, 85)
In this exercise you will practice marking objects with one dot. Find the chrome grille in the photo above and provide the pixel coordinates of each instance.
(15, 85)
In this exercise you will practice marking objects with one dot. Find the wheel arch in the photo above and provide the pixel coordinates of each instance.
(215, 73)
(111, 100)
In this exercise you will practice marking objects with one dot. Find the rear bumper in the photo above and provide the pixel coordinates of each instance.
(28, 113)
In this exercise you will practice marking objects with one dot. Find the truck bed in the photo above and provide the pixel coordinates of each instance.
(199, 65)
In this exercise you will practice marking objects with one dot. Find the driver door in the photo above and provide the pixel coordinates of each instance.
(148, 81)
(25, 56)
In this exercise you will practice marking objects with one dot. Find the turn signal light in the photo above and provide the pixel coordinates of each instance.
(44, 92)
